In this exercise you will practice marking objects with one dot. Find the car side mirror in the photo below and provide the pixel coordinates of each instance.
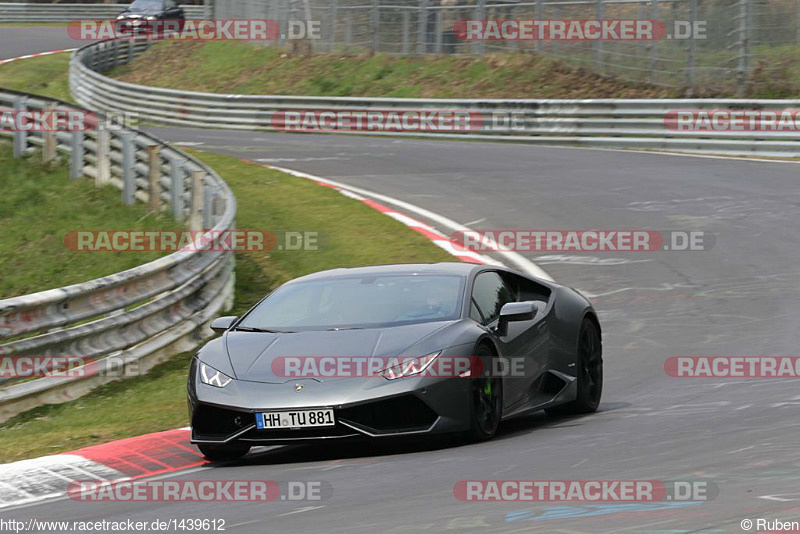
(517, 311)
(220, 324)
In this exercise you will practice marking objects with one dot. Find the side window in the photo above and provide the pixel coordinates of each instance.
(474, 314)
(490, 293)
(525, 289)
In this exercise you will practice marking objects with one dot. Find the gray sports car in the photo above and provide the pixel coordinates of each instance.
(394, 350)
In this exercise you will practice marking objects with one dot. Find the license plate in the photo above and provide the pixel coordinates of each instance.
(294, 419)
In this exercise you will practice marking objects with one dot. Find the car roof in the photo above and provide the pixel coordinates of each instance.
(450, 267)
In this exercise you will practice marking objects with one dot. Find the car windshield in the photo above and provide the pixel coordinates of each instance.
(147, 5)
(359, 302)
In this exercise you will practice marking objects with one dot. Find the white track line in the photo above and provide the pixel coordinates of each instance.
(520, 261)
(38, 54)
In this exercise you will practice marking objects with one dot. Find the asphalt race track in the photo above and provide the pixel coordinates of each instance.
(29, 39)
(740, 299)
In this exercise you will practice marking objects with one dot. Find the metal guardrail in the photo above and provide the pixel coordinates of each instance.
(24, 12)
(601, 123)
(128, 321)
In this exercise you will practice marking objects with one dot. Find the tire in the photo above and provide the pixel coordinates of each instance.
(486, 399)
(590, 373)
(221, 453)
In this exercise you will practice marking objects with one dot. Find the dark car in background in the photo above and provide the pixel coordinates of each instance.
(144, 15)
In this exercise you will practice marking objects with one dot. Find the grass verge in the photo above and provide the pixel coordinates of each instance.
(39, 205)
(45, 75)
(352, 234)
(235, 67)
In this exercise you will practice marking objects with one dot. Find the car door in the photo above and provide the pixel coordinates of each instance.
(523, 343)
(534, 338)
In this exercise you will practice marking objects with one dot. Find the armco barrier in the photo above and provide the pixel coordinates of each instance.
(23, 12)
(139, 316)
(600, 123)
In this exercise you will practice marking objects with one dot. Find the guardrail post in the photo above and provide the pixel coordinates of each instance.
(20, 136)
(154, 177)
(76, 161)
(103, 166)
(96, 56)
(115, 55)
(176, 187)
(104, 58)
(49, 138)
(208, 206)
(128, 171)
(198, 197)
(422, 40)
(218, 205)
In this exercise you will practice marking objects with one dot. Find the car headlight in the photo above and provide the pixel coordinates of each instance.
(150, 18)
(120, 17)
(409, 367)
(212, 377)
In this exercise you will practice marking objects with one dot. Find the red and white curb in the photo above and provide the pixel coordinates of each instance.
(37, 54)
(437, 237)
(48, 477)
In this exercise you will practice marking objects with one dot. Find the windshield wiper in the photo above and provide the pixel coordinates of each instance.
(256, 329)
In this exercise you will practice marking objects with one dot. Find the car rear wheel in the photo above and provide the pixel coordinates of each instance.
(223, 452)
(590, 373)
(486, 398)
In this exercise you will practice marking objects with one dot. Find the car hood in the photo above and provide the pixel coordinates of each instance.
(252, 353)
